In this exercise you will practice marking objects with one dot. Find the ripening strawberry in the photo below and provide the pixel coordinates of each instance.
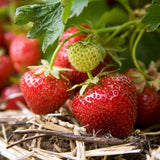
(6, 70)
(109, 106)
(62, 60)
(44, 94)
(84, 56)
(9, 91)
(24, 52)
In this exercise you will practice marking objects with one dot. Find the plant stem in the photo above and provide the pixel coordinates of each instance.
(132, 39)
(90, 75)
(108, 29)
(58, 48)
(120, 28)
(134, 54)
(127, 7)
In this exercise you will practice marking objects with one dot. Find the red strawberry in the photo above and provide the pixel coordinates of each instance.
(6, 69)
(44, 94)
(12, 103)
(148, 100)
(148, 107)
(24, 52)
(109, 106)
(61, 60)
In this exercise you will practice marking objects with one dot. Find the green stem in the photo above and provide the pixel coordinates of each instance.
(134, 54)
(132, 39)
(58, 48)
(90, 75)
(108, 29)
(120, 28)
(127, 7)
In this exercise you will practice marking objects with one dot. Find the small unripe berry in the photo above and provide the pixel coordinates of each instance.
(84, 56)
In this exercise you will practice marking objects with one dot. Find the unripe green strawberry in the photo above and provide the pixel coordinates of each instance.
(84, 56)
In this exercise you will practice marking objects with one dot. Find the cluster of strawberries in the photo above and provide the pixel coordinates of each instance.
(113, 104)
(17, 52)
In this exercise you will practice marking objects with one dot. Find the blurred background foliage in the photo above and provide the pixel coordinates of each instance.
(98, 13)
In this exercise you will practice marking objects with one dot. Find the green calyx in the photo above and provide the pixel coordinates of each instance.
(44, 69)
(84, 56)
(92, 80)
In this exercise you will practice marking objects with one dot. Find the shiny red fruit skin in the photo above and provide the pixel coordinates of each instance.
(24, 52)
(8, 91)
(6, 69)
(109, 106)
(148, 107)
(44, 94)
(61, 60)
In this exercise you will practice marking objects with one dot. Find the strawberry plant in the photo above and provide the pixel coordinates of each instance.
(117, 33)
(87, 71)
(90, 51)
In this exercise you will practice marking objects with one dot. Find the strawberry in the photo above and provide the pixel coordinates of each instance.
(62, 60)
(109, 106)
(44, 94)
(9, 91)
(84, 56)
(24, 52)
(148, 107)
(147, 99)
(6, 69)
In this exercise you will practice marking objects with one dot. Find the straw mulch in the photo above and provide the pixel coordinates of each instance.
(25, 136)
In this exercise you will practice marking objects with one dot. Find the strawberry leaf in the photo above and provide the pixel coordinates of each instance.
(67, 9)
(152, 18)
(46, 18)
(78, 6)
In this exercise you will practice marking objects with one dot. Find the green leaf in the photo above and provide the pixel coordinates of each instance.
(152, 18)
(114, 16)
(67, 9)
(47, 21)
(115, 58)
(78, 6)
